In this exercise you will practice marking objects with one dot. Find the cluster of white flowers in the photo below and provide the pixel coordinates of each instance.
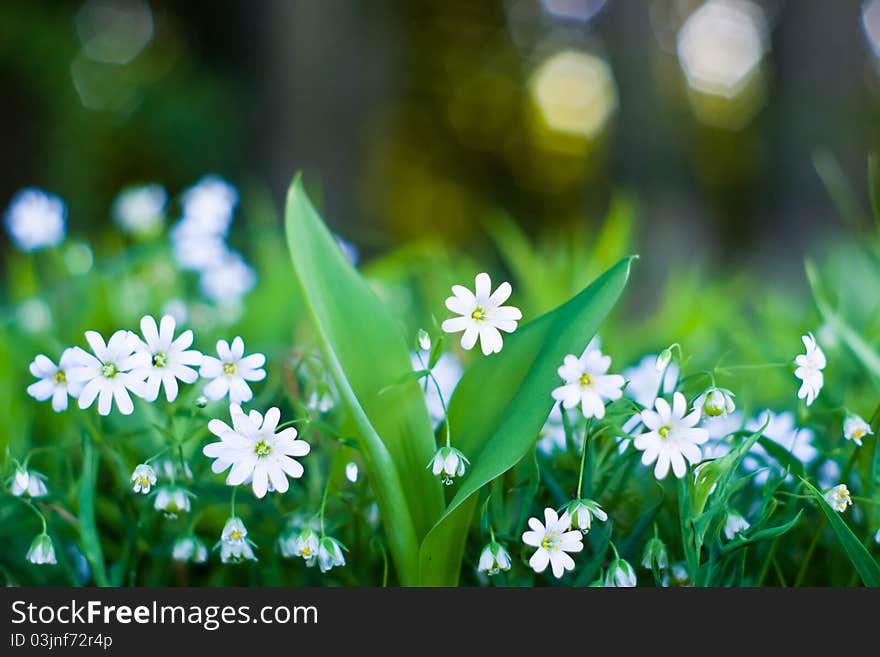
(315, 549)
(838, 498)
(28, 483)
(36, 220)
(199, 241)
(129, 364)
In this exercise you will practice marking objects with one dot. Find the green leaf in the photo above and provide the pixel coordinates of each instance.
(88, 526)
(366, 354)
(502, 402)
(763, 534)
(858, 554)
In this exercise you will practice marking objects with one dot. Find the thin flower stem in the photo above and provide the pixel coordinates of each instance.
(39, 513)
(232, 501)
(430, 376)
(324, 504)
(817, 533)
(583, 458)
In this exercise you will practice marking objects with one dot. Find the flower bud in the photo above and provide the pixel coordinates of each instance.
(663, 359)
(620, 574)
(655, 555)
(715, 402)
(582, 512)
(424, 340)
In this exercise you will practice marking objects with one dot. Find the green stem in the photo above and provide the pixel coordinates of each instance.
(817, 533)
(583, 458)
(88, 527)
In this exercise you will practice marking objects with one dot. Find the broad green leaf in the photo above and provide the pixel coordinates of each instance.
(366, 355)
(502, 402)
(861, 559)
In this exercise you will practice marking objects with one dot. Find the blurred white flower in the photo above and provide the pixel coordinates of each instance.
(855, 428)
(644, 381)
(227, 280)
(481, 315)
(663, 360)
(330, 554)
(877, 536)
(715, 402)
(735, 524)
(28, 483)
(140, 210)
(582, 512)
(494, 559)
(254, 452)
(351, 472)
(177, 309)
(655, 555)
(143, 478)
(116, 369)
(189, 548)
(553, 539)
(828, 473)
(194, 251)
(170, 358)
(34, 316)
(620, 574)
(448, 463)
(721, 426)
(53, 379)
(587, 384)
(447, 372)
(838, 498)
(235, 546)
(673, 437)
(424, 340)
(208, 206)
(36, 220)
(172, 500)
(231, 372)
(782, 430)
(809, 369)
(302, 543)
(42, 551)
(173, 468)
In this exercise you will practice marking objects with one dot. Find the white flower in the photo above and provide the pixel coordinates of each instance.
(177, 309)
(645, 381)
(494, 559)
(877, 536)
(663, 360)
(36, 219)
(780, 429)
(672, 437)
(448, 462)
(735, 524)
(620, 574)
(143, 478)
(447, 373)
(581, 513)
(855, 428)
(304, 544)
(208, 205)
(351, 472)
(195, 251)
(170, 358)
(587, 384)
(231, 372)
(235, 546)
(424, 340)
(34, 315)
(173, 468)
(53, 381)
(655, 555)
(838, 498)
(330, 554)
(172, 500)
(254, 452)
(809, 369)
(114, 370)
(42, 551)
(554, 540)
(189, 548)
(28, 483)
(715, 402)
(139, 210)
(481, 315)
(227, 280)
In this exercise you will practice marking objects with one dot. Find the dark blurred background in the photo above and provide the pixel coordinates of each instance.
(419, 119)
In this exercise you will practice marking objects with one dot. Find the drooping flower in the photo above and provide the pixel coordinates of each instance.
(494, 559)
(28, 483)
(655, 555)
(838, 498)
(809, 369)
(170, 358)
(715, 402)
(254, 452)
(36, 220)
(189, 549)
(115, 369)
(142, 479)
(481, 315)
(41, 551)
(673, 437)
(330, 553)
(620, 574)
(231, 372)
(735, 524)
(53, 381)
(140, 210)
(582, 512)
(172, 500)
(554, 539)
(303, 543)
(587, 384)
(855, 429)
(235, 546)
(448, 463)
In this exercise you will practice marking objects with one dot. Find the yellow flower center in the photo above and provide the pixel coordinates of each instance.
(109, 370)
(262, 449)
(307, 552)
(479, 314)
(551, 541)
(586, 380)
(60, 377)
(160, 359)
(236, 535)
(664, 432)
(229, 369)
(142, 480)
(858, 433)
